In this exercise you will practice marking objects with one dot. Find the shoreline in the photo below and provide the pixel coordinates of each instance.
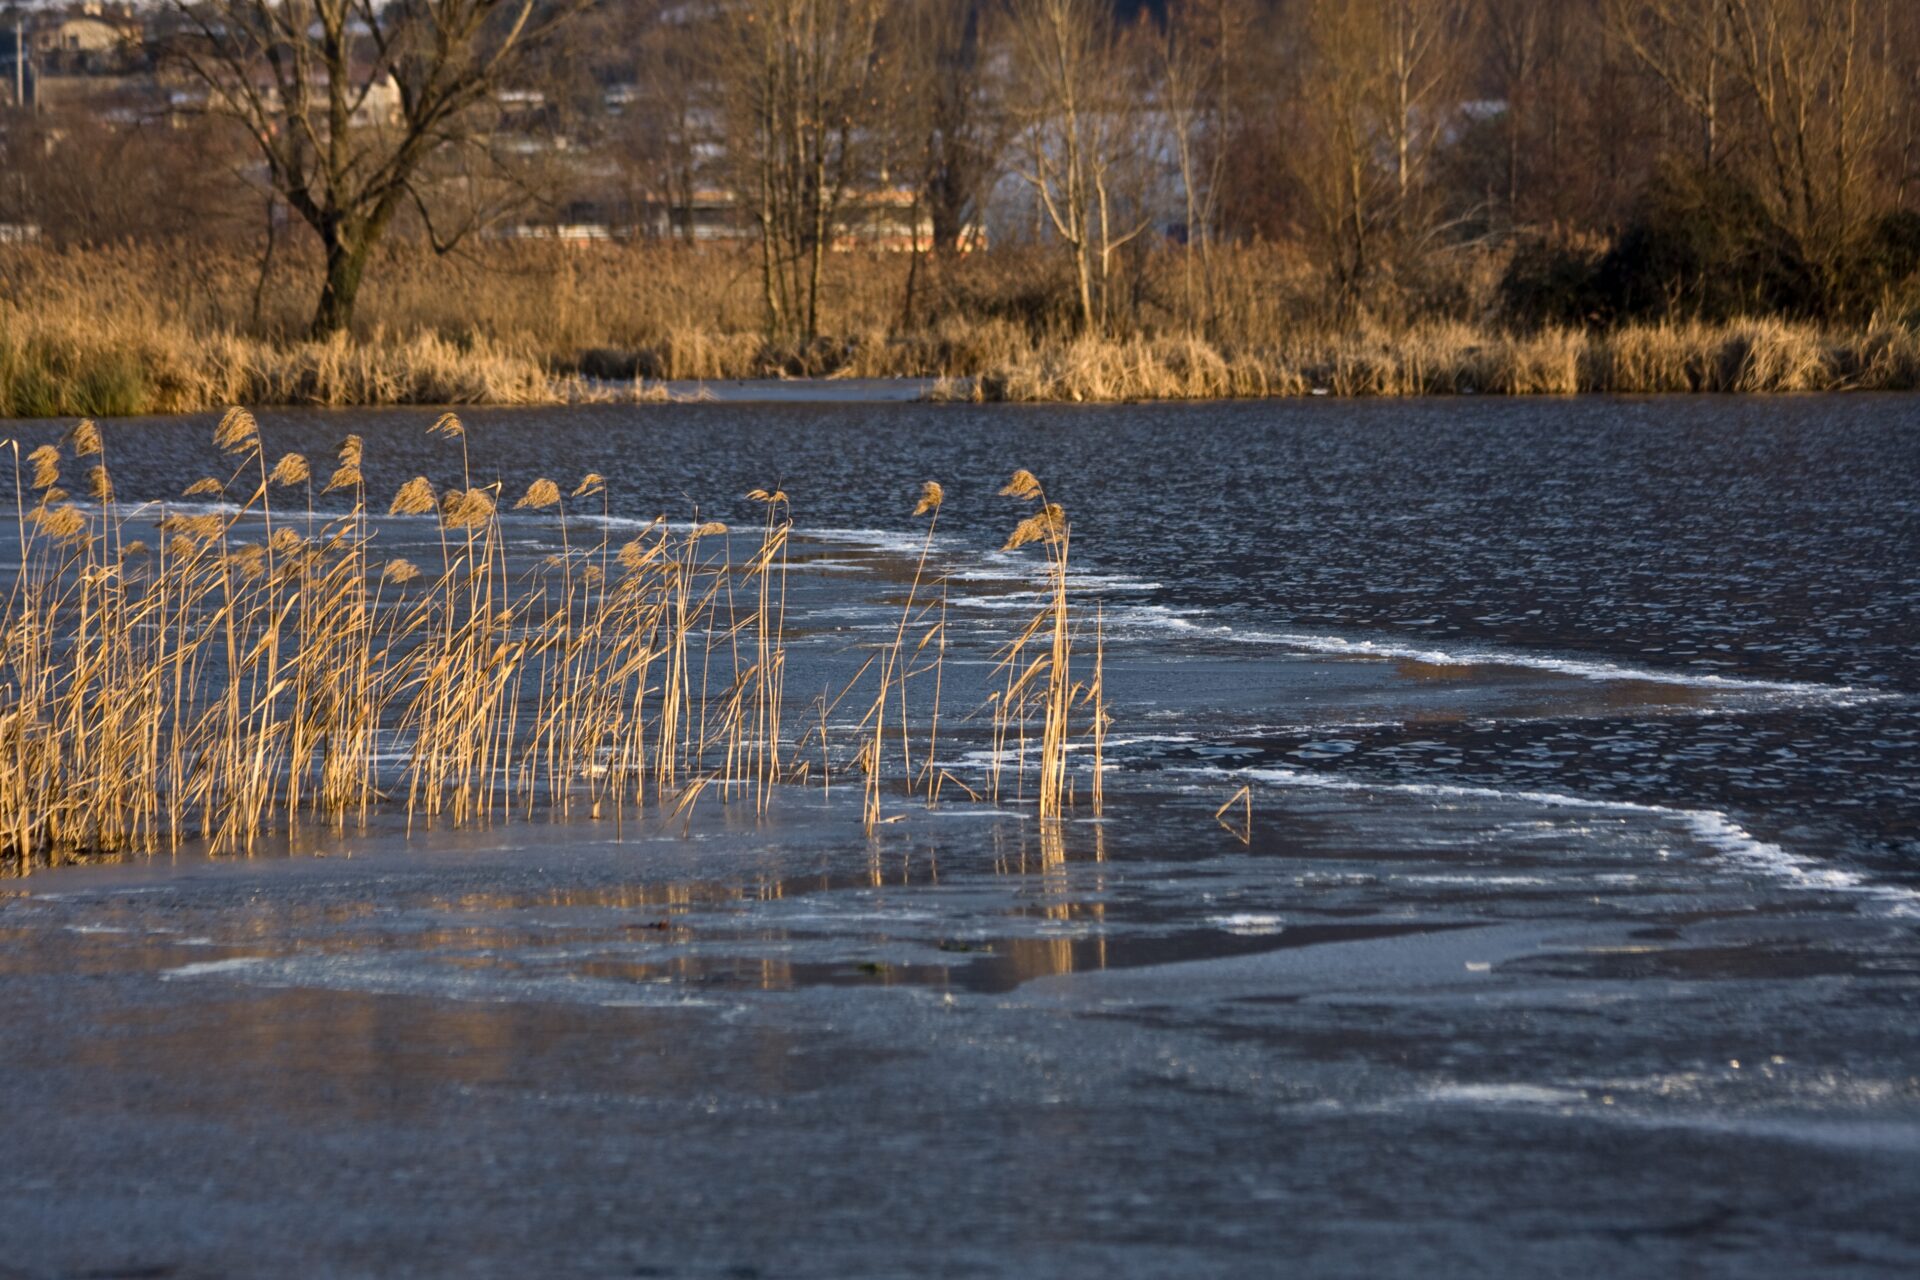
(48, 374)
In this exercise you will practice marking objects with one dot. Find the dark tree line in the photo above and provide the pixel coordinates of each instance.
(1625, 158)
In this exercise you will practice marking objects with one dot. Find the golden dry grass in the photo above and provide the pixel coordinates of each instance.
(1744, 357)
(223, 674)
(128, 330)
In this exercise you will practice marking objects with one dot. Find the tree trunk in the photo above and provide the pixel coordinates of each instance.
(946, 207)
(346, 266)
(822, 228)
(1084, 270)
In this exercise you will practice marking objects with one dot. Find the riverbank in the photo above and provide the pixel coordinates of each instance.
(64, 370)
(1745, 357)
(125, 331)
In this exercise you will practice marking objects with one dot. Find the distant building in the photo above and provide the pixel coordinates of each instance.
(82, 35)
(89, 37)
(377, 105)
(883, 220)
(892, 220)
(115, 99)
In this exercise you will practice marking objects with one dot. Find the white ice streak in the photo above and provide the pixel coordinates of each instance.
(208, 968)
(1709, 826)
(1172, 620)
(1529, 1095)
(999, 567)
(1249, 924)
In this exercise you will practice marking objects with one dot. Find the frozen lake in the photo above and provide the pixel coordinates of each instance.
(1573, 928)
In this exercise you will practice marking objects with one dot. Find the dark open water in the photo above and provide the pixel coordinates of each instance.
(1575, 932)
(1758, 559)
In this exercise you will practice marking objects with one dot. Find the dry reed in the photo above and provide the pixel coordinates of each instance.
(220, 675)
(125, 330)
(1743, 357)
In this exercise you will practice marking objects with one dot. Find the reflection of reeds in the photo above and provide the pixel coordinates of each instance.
(259, 666)
(1244, 832)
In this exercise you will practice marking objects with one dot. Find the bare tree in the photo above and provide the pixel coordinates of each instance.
(944, 127)
(798, 80)
(1685, 44)
(951, 129)
(1804, 63)
(1338, 139)
(1515, 32)
(1200, 55)
(1080, 129)
(1418, 54)
(350, 102)
(668, 129)
(1811, 94)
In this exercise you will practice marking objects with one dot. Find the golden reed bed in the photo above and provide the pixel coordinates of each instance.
(258, 665)
(1745, 357)
(128, 330)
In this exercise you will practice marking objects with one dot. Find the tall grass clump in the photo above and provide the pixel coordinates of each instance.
(237, 663)
(124, 329)
(898, 666)
(1037, 663)
(1739, 357)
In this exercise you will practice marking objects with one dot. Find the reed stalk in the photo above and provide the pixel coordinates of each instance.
(174, 673)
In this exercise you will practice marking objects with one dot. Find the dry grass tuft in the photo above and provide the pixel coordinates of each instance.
(253, 670)
(1745, 357)
(124, 330)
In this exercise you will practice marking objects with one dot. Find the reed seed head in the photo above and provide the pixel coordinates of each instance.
(767, 497)
(345, 476)
(400, 571)
(591, 483)
(414, 499)
(250, 560)
(448, 426)
(237, 432)
(464, 509)
(46, 466)
(64, 524)
(206, 487)
(200, 528)
(931, 496)
(290, 470)
(85, 439)
(1044, 525)
(351, 452)
(710, 527)
(540, 495)
(133, 550)
(100, 484)
(1024, 485)
(637, 555)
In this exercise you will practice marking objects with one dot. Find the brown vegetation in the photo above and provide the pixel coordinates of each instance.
(1259, 175)
(131, 330)
(221, 675)
(1745, 357)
